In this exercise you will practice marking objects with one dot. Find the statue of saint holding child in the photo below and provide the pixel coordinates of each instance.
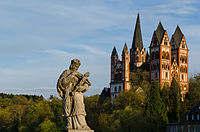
(70, 87)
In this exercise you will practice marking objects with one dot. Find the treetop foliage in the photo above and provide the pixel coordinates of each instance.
(144, 108)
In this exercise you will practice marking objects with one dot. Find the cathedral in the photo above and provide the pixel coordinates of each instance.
(166, 59)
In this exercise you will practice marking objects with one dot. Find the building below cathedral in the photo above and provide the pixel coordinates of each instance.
(166, 59)
(191, 122)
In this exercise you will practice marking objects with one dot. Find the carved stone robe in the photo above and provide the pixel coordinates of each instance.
(73, 104)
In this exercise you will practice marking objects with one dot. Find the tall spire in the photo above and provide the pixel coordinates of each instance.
(137, 38)
(160, 32)
(114, 52)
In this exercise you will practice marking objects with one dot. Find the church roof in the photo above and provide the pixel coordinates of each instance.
(114, 52)
(137, 38)
(160, 32)
(177, 36)
(124, 49)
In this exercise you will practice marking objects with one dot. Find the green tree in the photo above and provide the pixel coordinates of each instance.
(155, 109)
(139, 78)
(126, 120)
(165, 95)
(194, 90)
(174, 101)
(5, 120)
(47, 126)
(37, 113)
(93, 111)
(57, 109)
(129, 98)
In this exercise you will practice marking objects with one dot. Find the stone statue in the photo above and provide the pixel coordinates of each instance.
(70, 87)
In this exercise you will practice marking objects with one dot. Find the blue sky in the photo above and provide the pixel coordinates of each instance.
(38, 38)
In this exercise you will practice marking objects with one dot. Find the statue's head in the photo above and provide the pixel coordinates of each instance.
(75, 63)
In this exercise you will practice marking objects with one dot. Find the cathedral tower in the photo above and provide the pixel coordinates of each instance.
(114, 60)
(160, 57)
(137, 52)
(125, 68)
(180, 54)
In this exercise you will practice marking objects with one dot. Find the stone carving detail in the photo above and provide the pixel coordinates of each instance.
(70, 87)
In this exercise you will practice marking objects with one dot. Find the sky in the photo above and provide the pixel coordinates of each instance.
(39, 38)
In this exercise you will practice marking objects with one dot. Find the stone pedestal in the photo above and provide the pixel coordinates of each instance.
(80, 130)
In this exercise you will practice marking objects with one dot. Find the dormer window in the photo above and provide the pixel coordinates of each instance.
(183, 46)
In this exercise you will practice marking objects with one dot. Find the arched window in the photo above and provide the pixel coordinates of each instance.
(185, 69)
(166, 75)
(181, 69)
(182, 77)
(163, 55)
(183, 44)
(115, 89)
(185, 59)
(167, 55)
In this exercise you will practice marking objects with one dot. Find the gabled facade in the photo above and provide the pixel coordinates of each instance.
(180, 54)
(160, 56)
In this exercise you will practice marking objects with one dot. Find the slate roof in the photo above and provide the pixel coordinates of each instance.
(192, 115)
(160, 32)
(137, 38)
(124, 49)
(177, 36)
(114, 52)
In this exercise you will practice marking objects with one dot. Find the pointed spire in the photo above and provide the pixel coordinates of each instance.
(125, 49)
(177, 36)
(137, 38)
(114, 52)
(160, 32)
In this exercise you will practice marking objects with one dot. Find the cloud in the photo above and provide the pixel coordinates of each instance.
(192, 31)
(59, 52)
(94, 50)
(178, 7)
(28, 89)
